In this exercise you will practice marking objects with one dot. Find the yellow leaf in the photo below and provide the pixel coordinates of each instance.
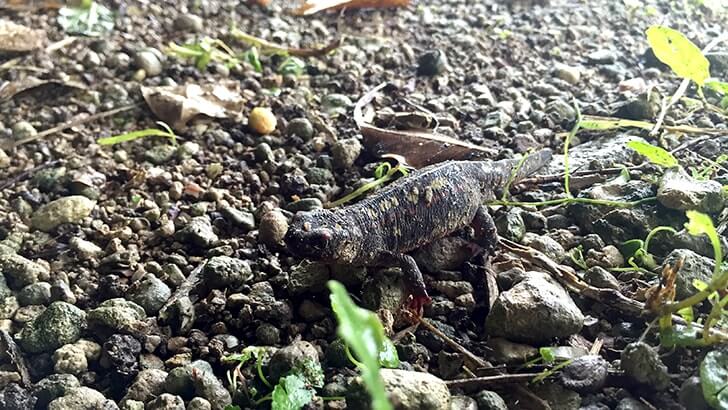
(677, 51)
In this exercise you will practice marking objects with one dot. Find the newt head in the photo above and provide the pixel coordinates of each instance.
(316, 236)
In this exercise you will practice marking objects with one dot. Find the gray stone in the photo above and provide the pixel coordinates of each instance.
(198, 232)
(52, 387)
(602, 57)
(585, 374)
(384, 290)
(148, 61)
(691, 394)
(188, 22)
(70, 359)
(273, 227)
(69, 209)
(570, 74)
(81, 398)
(560, 112)
(148, 384)
(289, 357)
(319, 176)
(19, 271)
(58, 325)
(345, 152)
(680, 191)
(160, 154)
(305, 204)
(630, 403)
(508, 352)
(38, 293)
(223, 271)
(117, 316)
(4, 159)
(693, 267)
(490, 400)
(535, 310)
(85, 249)
(545, 244)
(197, 379)
(431, 63)
(198, 403)
(642, 363)
(608, 257)
(448, 253)
(601, 278)
(242, 219)
(150, 293)
(511, 225)
(407, 390)
(336, 104)
(23, 129)
(300, 127)
(557, 396)
(463, 403)
(132, 405)
(8, 377)
(166, 401)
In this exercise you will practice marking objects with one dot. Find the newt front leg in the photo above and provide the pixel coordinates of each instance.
(418, 297)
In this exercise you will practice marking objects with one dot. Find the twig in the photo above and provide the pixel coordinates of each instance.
(474, 360)
(28, 173)
(69, 124)
(267, 47)
(490, 380)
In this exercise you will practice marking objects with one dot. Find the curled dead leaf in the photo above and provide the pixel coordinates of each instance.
(17, 38)
(29, 84)
(177, 105)
(314, 6)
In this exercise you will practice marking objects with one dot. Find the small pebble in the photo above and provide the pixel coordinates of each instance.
(262, 120)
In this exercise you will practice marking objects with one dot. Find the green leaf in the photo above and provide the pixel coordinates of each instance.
(291, 393)
(655, 155)
(687, 313)
(680, 335)
(292, 65)
(94, 20)
(310, 370)
(717, 86)
(714, 379)
(724, 103)
(677, 51)
(701, 224)
(363, 332)
(254, 59)
(388, 355)
(700, 285)
(547, 354)
(130, 136)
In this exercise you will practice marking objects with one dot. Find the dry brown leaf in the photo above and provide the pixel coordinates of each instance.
(17, 38)
(30, 5)
(177, 105)
(416, 148)
(314, 6)
(10, 89)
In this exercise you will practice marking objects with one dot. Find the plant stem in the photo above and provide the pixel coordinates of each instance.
(588, 201)
(567, 141)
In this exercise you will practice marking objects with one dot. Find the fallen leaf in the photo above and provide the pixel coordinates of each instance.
(28, 84)
(177, 105)
(416, 148)
(17, 38)
(314, 6)
(30, 5)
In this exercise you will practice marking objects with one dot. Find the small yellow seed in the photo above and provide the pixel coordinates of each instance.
(262, 120)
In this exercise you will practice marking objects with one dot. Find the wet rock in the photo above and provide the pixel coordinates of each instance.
(630, 403)
(85, 249)
(243, 220)
(290, 357)
(38, 293)
(23, 129)
(188, 22)
(558, 397)
(545, 244)
(570, 74)
(149, 61)
(197, 379)
(432, 63)
(300, 127)
(16, 397)
(273, 227)
(18, 270)
(511, 225)
(150, 293)
(407, 390)
(70, 209)
(70, 359)
(82, 398)
(58, 325)
(642, 363)
(608, 257)
(117, 316)
(121, 354)
(508, 352)
(678, 190)
(463, 403)
(223, 271)
(384, 290)
(160, 154)
(601, 278)
(166, 401)
(691, 394)
(345, 152)
(535, 310)
(694, 267)
(198, 232)
(267, 335)
(585, 374)
(448, 253)
(490, 400)
(52, 387)
(148, 384)
(198, 403)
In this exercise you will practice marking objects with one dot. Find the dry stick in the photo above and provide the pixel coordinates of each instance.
(683, 87)
(69, 124)
(490, 380)
(610, 297)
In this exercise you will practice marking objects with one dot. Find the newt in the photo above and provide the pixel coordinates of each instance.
(429, 204)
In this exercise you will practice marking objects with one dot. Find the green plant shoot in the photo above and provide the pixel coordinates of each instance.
(714, 379)
(291, 393)
(655, 155)
(362, 330)
(149, 132)
(677, 51)
(90, 19)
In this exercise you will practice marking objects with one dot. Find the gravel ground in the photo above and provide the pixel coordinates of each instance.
(130, 271)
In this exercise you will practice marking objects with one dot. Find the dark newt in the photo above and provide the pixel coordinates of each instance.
(429, 204)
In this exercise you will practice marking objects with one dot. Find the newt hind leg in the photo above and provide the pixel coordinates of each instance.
(485, 233)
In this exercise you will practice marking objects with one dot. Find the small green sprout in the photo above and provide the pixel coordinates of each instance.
(89, 19)
(655, 155)
(205, 51)
(677, 51)
(385, 172)
(148, 132)
(292, 66)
